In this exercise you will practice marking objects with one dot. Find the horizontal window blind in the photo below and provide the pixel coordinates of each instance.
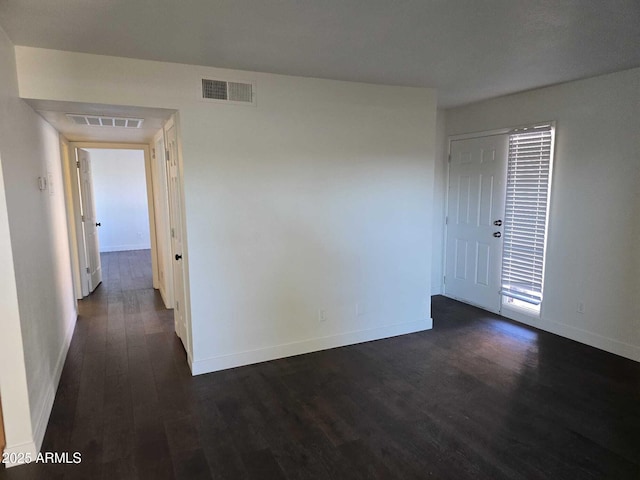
(525, 223)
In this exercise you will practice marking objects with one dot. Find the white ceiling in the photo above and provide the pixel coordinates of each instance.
(55, 113)
(468, 49)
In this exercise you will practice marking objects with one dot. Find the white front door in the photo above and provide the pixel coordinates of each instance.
(90, 225)
(475, 212)
(175, 217)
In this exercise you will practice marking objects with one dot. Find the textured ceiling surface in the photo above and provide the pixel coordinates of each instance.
(468, 49)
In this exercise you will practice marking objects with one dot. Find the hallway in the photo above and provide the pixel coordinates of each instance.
(123, 354)
(122, 380)
(478, 397)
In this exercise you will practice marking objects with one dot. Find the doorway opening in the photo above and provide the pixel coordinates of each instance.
(112, 232)
(155, 132)
(115, 207)
(111, 187)
(126, 216)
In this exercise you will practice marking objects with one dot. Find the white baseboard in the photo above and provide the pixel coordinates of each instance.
(239, 359)
(579, 335)
(47, 405)
(123, 248)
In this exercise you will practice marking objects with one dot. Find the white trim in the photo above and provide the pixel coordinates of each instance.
(445, 230)
(151, 212)
(67, 155)
(488, 133)
(110, 146)
(497, 131)
(222, 362)
(124, 248)
(579, 335)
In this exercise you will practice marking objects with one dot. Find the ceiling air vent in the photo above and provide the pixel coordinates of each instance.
(105, 121)
(225, 91)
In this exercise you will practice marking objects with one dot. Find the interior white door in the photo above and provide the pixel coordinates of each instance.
(89, 222)
(163, 224)
(175, 217)
(477, 178)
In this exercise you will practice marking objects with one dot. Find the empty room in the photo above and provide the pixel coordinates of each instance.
(343, 239)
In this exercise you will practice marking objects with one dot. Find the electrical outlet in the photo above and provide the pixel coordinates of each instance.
(580, 307)
(322, 315)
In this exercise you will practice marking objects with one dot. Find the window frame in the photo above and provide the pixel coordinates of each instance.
(520, 308)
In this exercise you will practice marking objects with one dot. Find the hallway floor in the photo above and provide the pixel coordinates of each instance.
(478, 397)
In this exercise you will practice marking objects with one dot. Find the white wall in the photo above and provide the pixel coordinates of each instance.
(318, 198)
(38, 308)
(121, 199)
(593, 251)
(439, 197)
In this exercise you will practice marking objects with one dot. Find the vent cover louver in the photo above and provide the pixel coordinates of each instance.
(223, 90)
(105, 121)
(214, 89)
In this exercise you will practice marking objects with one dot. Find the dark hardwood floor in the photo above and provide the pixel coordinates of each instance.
(477, 397)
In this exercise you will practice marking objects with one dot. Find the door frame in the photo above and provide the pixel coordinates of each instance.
(467, 136)
(74, 218)
(163, 228)
(184, 262)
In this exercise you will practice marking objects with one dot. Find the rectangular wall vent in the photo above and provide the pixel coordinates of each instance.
(105, 121)
(226, 91)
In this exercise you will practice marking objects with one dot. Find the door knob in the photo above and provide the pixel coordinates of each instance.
(495, 234)
(498, 223)
(98, 224)
(178, 256)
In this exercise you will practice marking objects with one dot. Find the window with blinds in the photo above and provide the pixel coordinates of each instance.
(526, 213)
